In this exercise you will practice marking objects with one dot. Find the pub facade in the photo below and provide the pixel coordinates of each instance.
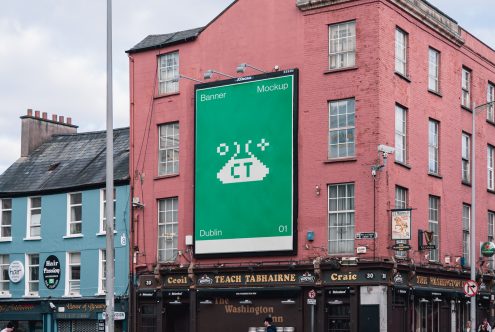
(311, 161)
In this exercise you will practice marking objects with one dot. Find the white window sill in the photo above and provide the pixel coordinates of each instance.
(31, 296)
(105, 233)
(73, 236)
(71, 295)
(101, 293)
(5, 239)
(5, 295)
(33, 238)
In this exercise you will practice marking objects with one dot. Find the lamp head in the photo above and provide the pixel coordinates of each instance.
(207, 75)
(241, 68)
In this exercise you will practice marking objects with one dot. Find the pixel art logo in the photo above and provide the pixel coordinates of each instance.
(248, 168)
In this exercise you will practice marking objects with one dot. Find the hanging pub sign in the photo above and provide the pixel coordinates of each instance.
(51, 272)
(488, 249)
(428, 238)
(401, 224)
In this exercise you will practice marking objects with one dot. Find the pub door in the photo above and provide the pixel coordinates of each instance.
(176, 318)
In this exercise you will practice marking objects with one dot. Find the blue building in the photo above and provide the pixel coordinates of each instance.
(52, 235)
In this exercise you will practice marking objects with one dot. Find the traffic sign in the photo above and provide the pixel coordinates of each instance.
(366, 235)
(312, 301)
(312, 294)
(470, 288)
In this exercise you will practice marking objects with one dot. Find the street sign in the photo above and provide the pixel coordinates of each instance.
(312, 294)
(401, 247)
(312, 301)
(470, 288)
(366, 235)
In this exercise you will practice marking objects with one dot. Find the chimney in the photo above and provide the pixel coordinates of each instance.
(37, 130)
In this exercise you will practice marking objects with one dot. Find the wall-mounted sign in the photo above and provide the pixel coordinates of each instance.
(366, 235)
(488, 249)
(16, 271)
(428, 238)
(51, 272)
(401, 224)
(401, 247)
(245, 165)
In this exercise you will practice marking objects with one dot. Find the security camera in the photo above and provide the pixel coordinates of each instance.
(385, 149)
(52, 306)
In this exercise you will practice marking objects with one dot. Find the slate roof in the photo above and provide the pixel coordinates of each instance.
(67, 161)
(159, 41)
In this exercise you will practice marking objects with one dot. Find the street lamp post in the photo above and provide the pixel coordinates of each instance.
(472, 255)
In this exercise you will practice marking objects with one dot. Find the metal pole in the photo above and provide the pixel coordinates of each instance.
(312, 318)
(110, 272)
(472, 230)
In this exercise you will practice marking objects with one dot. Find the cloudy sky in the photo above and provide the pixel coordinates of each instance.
(53, 53)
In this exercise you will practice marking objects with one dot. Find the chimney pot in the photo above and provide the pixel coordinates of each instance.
(36, 114)
(69, 120)
(30, 112)
(44, 115)
(61, 119)
(54, 117)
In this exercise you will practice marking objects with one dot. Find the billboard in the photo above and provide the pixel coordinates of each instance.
(245, 160)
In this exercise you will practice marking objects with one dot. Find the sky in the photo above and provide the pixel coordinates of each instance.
(53, 54)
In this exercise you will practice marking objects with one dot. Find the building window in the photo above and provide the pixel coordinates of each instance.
(6, 219)
(433, 70)
(168, 162)
(491, 225)
(75, 214)
(4, 274)
(400, 51)
(168, 73)
(341, 218)
(466, 157)
(400, 134)
(466, 223)
(103, 210)
(434, 218)
(168, 221)
(32, 275)
(401, 202)
(466, 88)
(433, 147)
(102, 275)
(34, 217)
(341, 129)
(490, 167)
(490, 98)
(73, 286)
(342, 50)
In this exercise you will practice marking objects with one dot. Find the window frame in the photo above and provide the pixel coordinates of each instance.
(3, 227)
(341, 245)
(174, 149)
(490, 98)
(434, 70)
(168, 217)
(69, 277)
(4, 275)
(466, 241)
(102, 265)
(433, 146)
(32, 223)
(434, 225)
(466, 158)
(348, 145)
(170, 83)
(401, 152)
(491, 234)
(490, 167)
(401, 51)
(466, 80)
(32, 268)
(70, 207)
(340, 58)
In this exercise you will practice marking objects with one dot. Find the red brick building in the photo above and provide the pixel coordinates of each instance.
(385, 94)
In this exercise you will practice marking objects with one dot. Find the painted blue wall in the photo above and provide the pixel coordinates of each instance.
(53, 230)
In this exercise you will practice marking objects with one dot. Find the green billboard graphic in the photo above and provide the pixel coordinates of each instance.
(245, 138)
